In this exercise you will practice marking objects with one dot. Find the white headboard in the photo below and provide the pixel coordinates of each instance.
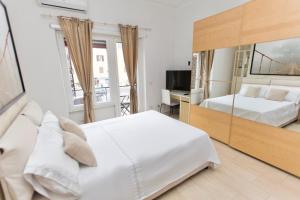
(11, 114)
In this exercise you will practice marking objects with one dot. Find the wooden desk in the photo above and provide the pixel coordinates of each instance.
(184, 100)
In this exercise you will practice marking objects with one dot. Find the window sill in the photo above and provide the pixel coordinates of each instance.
(80, 108)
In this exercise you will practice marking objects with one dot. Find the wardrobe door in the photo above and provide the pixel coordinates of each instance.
(266, 105)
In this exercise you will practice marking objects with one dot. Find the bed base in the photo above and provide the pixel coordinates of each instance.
(179, 181)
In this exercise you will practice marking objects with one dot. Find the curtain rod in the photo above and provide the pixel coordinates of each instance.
(49, 16)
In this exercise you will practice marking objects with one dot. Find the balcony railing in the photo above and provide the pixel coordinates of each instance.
(102, 95)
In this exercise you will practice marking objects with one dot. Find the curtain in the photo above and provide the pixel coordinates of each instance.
(129, 38)
(207, 58)
(78, 34)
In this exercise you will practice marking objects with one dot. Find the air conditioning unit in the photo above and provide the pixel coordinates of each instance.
(77, 5)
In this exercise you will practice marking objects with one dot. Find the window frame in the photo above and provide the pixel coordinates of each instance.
(66, 79)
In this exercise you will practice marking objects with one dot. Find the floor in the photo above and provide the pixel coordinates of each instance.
(239, 177)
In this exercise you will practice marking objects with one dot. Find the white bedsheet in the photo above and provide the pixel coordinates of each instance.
(274, 113)
(141, 154)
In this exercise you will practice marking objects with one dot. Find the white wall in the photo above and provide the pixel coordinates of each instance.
(39, 58)
(222, 70)
(185, 16)
(168, 44)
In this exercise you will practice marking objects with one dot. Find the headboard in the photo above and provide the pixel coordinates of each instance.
(11, 114)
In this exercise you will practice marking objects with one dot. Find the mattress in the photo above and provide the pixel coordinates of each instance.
(140, 155)
(274, 113)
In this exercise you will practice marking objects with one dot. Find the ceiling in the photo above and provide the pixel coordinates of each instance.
(172, 3)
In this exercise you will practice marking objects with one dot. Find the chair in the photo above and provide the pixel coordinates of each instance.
(196, 96)
(166, 100)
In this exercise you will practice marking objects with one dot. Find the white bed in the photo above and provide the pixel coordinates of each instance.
(274, 113)
(142, 155)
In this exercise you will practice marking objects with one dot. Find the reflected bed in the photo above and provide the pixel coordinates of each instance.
(274, 113)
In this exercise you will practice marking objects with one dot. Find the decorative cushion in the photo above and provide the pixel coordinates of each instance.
(72, 127)
(252, 91)
(79, 149)
(276, 94)
(16, 146)
(33, 112)
(50, 171)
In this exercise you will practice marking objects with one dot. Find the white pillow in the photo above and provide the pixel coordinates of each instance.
(262, 93)
(293, 96)
(50, 171)
(33, 112)
(51, 121)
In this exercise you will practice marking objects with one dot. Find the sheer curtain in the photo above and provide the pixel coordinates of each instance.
(207, 58)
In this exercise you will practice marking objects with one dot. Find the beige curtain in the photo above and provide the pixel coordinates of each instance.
(207, 58)
(129, 37)
(78, 34)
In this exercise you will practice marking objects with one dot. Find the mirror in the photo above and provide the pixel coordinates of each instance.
(217, 68)
(11, 83)
(269, 99)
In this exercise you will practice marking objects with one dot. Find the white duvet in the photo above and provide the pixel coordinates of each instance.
(275, 113)
(140, 155)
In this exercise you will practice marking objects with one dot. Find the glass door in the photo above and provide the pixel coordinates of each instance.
(124, 85)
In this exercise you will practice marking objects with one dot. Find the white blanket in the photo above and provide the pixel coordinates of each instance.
(274, 113)
(141, 154)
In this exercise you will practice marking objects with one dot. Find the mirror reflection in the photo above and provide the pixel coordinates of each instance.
(277, 58)
(268, 99)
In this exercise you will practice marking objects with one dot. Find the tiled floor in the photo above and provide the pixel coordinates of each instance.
(239, 177)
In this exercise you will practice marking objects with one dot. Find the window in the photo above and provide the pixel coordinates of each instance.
(101, 75)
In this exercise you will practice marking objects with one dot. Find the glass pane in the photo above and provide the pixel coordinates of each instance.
(101, 75)
(75, 85)
(123, 82)
(101, 72)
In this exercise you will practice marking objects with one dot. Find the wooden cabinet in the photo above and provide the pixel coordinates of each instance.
(253, 22)
(184, 113)
(215, 123)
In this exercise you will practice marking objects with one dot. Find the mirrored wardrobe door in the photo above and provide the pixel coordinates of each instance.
(265, 122)
(214, 74)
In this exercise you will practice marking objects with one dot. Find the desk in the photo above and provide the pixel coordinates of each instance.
(184, 104)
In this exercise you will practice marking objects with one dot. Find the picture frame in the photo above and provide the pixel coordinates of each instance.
(11, 81)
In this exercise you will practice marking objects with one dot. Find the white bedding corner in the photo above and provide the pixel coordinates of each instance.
(140, 155)
(274, 113)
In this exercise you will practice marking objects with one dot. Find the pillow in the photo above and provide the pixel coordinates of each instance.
(51, 121)
(16, 146)
(50, 171)
(252, 91)
(78, 149)
(72, 127)
(33, 112)
(276, 94)
(293, 96)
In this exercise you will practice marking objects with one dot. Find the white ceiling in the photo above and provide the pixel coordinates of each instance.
(172, 3)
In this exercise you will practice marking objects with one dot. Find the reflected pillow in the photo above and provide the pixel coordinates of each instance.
(293, 96)
(276, 94)
(252, 91)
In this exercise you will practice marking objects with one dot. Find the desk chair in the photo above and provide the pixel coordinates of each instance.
(196, 96)
(166, 100)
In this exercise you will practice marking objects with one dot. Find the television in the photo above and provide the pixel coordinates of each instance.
(179, 80)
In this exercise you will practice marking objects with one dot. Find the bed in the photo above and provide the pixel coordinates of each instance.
(274, 113)
(146, 156)
(140, 156)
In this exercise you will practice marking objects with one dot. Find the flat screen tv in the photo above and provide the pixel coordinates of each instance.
(179, 80)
